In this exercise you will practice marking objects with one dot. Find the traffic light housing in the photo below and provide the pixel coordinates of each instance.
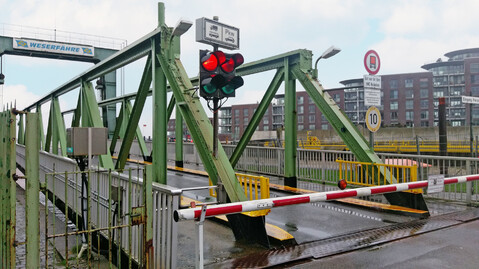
(218, 74)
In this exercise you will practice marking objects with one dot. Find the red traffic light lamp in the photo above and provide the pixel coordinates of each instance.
(218, 74)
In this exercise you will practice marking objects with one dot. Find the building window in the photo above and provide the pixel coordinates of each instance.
(474, 79)
(456, 102)
(300, 119)
(438, 93)
(394, 115)
(245, 121)
(300, 100)
(424, 103)
(245, 112)
(393, 105)
(409, 93)
(457, 91)
(409, 115)
(265, 120)
(409, 104)
(312, 118)
(424, 123)
(312, 108)
(424, 115)
(393, 84)
(236, 133)
(424, 82)
(236, 120)
(408, 83)
(300, 109)
(324, 126)
(310, 100)
(237, 112)
(475, 68)
(312, 127)
(265, 128)
(336, 97)
(300, 127)
(424, 93)
(475, 91)
(393, 94)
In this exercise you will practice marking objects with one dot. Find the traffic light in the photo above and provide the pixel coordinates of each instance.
(218, 74)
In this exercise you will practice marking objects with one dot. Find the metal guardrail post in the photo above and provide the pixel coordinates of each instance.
(469, 183)
(199, 258)
(32, 145)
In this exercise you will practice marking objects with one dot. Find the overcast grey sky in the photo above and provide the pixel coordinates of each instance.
(406, 34)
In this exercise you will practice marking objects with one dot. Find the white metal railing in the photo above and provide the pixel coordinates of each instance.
(319, 166)
(166, 200)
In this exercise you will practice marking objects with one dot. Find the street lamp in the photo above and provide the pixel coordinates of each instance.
(182, 26)
(330, 52)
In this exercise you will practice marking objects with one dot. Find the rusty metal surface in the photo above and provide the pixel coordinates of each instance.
(348, 242)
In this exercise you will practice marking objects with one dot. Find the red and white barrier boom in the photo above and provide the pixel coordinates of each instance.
(238, 207)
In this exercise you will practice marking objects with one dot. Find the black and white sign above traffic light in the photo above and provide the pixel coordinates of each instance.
(212, 32)
(218, 74)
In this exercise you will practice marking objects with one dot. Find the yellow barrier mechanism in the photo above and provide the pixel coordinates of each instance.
(369, 174)
(255, 188)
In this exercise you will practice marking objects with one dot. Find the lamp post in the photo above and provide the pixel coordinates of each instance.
(330, 52)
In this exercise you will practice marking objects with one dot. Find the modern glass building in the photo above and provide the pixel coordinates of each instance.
(453, 78)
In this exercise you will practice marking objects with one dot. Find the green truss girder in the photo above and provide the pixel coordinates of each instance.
(58, 128)
(42, 133)
(219, 167)
(135, 115)
(118, 127)
(159, 115)
(290, 126)
(340, 122)
(257, 116)
(91, 118)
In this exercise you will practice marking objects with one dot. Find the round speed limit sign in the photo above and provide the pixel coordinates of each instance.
(373, 119)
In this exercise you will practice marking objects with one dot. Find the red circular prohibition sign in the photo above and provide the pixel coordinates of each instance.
(372, 63)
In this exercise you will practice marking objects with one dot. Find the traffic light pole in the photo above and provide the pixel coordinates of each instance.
(215, 126)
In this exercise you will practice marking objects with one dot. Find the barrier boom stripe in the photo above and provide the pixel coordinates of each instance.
(238, 207)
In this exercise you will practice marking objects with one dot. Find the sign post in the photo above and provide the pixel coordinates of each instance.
(470, 100)
(372, 93)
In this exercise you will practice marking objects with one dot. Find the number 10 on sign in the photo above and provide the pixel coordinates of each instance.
(373, 119)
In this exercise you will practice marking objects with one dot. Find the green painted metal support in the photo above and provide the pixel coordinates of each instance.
(124, 120)
(59, 134)
(42, 133)
(159, 115)
(139, 136)
(11, 154)
(135, 115)
(343, 126)
(257, 116)
(8, 190)
(32, 166)
(21, 131)
(171, 105)
(179, 138)
(148, 202)
(218, 168)
(91, 112)
(290, 127)
(116, 133)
